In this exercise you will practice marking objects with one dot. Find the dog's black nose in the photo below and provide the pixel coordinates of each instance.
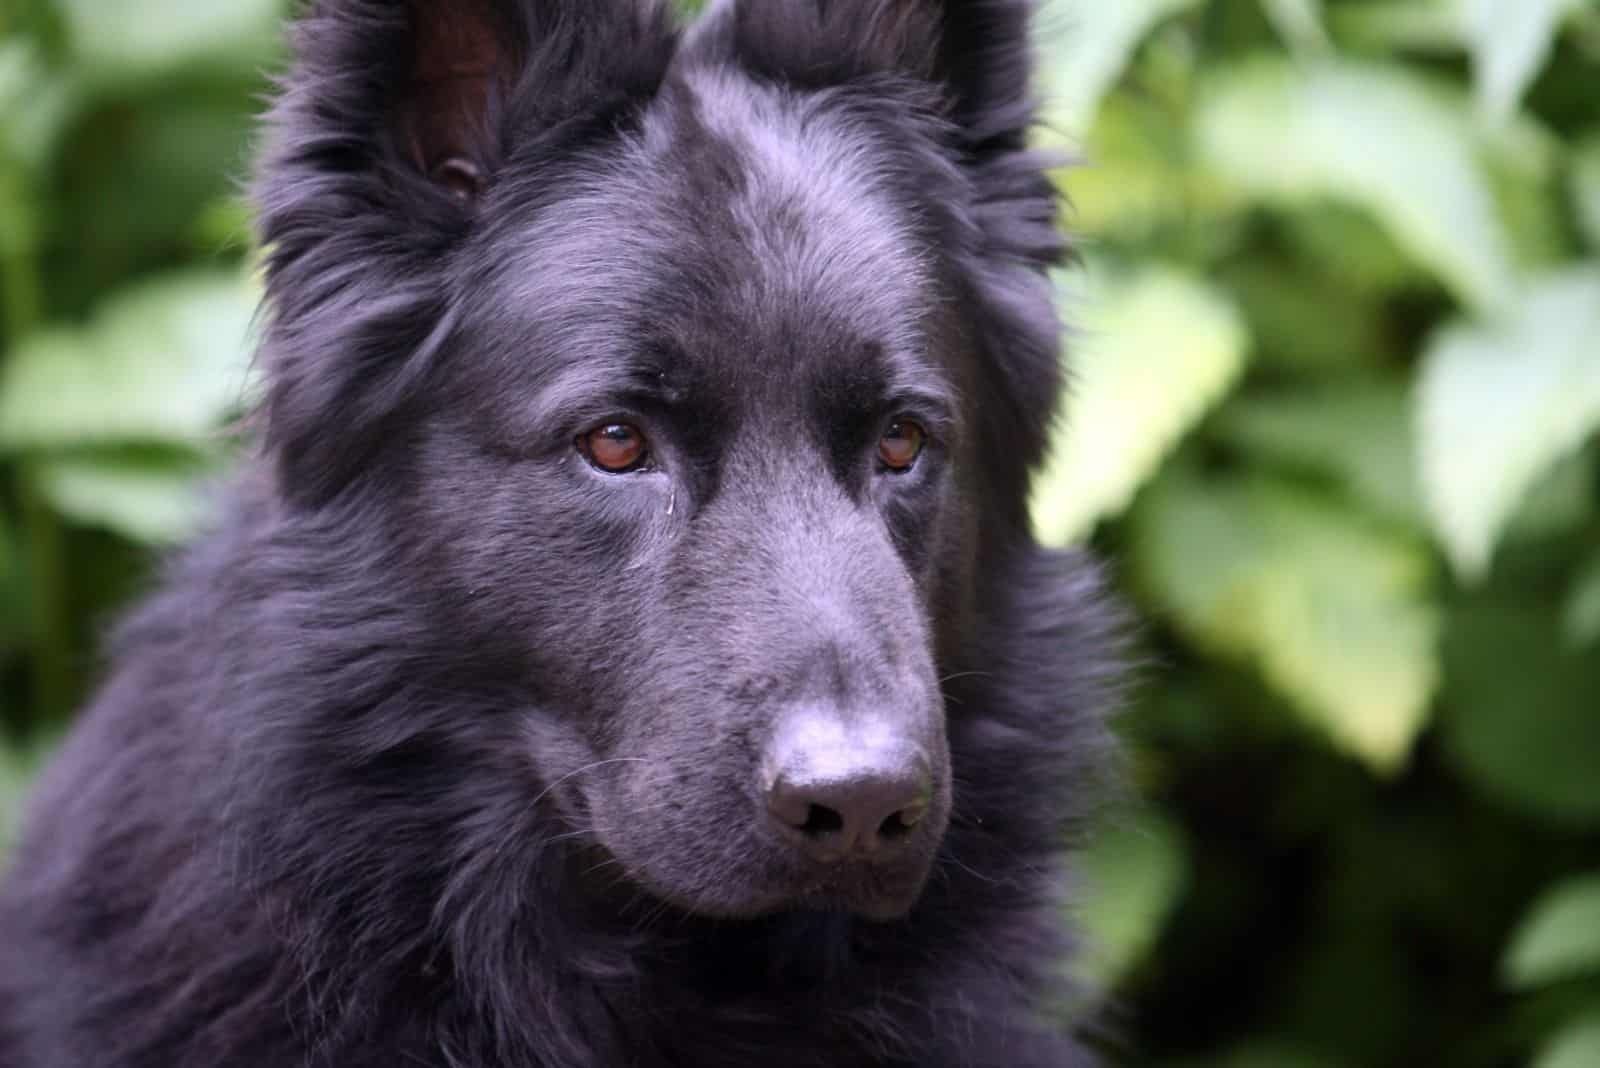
(835, 800)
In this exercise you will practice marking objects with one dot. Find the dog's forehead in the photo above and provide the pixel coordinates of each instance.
(742, 228)
(797, 196)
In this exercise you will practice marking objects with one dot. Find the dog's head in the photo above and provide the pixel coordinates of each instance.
(693, 374)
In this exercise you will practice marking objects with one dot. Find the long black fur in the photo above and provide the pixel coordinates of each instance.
(432, 753)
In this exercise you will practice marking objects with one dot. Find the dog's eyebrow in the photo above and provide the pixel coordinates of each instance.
(575, 394)
(935, 411)
(928, 396)
(603, 386)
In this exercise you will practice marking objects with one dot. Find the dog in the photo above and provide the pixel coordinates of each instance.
(627, 646)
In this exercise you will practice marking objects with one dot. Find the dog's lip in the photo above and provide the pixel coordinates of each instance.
(872, 890)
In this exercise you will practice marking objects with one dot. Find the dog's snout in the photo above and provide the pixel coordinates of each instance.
(838, 793)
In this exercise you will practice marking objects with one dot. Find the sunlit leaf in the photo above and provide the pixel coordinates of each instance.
(1559, 938)
(35, 104)
(165, 362)
(1153, 352)
(1511, 40)
(1085, 45)
(1586, 188)
(1133, 875)
(118, 41)
(1299, 22)
(1576, 1046)
(1356, 432)
(1499, 403)
(1336, 612)
(1289, 133)
(1519, 706)
(150, 500)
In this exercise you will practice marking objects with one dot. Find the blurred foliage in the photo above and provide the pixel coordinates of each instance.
(1336, 357)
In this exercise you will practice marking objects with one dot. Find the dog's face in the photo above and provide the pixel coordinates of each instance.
(698, 453)
(697, 407)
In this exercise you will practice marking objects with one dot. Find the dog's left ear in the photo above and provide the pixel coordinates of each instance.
(977, 52)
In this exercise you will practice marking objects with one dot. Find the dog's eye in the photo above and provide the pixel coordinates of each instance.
(615, 448)
(901, 444)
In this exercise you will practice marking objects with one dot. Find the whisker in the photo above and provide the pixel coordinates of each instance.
(587, 767)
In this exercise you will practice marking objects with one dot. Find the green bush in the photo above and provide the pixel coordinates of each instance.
(1336, 357)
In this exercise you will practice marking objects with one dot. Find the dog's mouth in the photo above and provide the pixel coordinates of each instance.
(864, 890)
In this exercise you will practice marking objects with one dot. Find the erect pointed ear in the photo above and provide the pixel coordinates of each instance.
(437, 85)
(976, 51)
(973, 60)
(464, 59)
(391, 127)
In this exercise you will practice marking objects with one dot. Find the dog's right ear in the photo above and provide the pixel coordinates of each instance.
(436, 86)
(390, 129)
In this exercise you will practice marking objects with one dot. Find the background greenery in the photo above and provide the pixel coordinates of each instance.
(1337, 359)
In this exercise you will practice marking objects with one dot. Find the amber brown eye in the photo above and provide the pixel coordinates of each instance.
(901, 444)
(615, 448)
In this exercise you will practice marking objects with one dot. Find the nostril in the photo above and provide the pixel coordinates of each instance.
(835, 793)
(899, 824)
(862, 813)
(820, 819)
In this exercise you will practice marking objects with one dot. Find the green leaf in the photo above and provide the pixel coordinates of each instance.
(35, 104)
(1577, 1046)
(1133, 873)
(154, 500)
(1559, 938)
(1519, 710)
(1299, 23)
(1085, 45)
(119, 42)
(1335, 611)
(145, 172)
(1559, 504)
(1499, 404)
(1523, 160)
(1348, 247)
(11, 606)
(1155, 351)
(1356, 432)
(1586, 188)
(1511, 42)
(1581, 619)
(1285, 133)
(1136, 175)
(1425, 25)
(165, 362)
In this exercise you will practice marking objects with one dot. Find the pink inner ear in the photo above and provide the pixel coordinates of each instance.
(459, 47)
